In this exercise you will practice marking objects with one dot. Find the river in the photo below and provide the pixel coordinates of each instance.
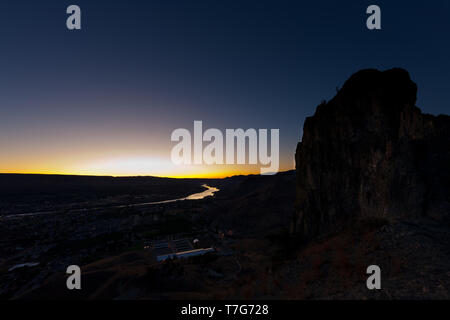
(209, 192)
(195, 196)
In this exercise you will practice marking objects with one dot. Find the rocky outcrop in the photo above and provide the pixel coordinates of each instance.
(371, 153)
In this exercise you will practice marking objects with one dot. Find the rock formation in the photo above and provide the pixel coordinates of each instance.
(371, 153)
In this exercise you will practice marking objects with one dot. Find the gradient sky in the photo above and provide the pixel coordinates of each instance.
(105, 99)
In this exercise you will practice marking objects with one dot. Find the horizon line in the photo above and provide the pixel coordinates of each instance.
(141, 176)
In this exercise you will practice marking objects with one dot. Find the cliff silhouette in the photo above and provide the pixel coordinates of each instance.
(370, 153)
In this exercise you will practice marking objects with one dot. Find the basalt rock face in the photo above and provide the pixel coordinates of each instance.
(371, 153)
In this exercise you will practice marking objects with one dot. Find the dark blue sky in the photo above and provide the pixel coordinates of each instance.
(139, 69)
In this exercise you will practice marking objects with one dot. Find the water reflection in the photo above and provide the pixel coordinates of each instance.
(201, 195)
(195, 196)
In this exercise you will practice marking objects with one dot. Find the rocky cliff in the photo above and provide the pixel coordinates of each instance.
(371, 153)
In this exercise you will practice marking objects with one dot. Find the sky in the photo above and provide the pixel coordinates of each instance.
(105, 99)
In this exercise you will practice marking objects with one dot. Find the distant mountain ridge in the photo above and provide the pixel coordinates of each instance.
(371, 153)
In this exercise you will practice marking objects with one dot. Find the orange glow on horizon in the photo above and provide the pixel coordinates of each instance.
(125, 166)
(137, 166)
(210, 175)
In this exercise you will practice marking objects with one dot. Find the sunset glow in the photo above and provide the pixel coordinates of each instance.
(137, 166)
